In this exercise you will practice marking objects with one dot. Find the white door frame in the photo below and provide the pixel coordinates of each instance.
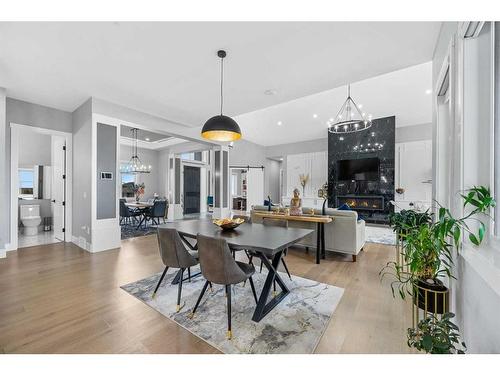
(14, 183)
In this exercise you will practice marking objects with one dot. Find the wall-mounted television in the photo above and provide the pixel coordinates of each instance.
(358, 169)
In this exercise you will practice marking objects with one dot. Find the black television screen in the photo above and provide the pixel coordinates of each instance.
(358, 169)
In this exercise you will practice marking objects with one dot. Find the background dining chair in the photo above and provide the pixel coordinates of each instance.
(175, 255)
(248, 219)
(218, 267)
(156, 212)
(126, 214)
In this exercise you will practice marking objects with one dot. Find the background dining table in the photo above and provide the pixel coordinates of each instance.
(264, 240)
(142, 207)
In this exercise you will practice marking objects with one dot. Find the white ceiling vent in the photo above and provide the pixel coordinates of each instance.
(470, 29)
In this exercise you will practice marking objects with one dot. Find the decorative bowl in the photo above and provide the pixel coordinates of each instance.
(228, 224)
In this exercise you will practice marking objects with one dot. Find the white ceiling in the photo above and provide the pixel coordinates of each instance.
(404, 93)
(171, 69)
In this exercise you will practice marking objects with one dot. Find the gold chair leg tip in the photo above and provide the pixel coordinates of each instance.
(178, 308)
(191, 316)
(153, 296)
(229, 335)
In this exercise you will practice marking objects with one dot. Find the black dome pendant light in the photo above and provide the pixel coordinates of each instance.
(221, 128)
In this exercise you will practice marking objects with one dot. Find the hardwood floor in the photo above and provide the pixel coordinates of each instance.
(60, 299)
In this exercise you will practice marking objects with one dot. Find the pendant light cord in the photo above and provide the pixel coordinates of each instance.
(221, 84)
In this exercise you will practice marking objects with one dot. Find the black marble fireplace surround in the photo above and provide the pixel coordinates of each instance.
(371, 199)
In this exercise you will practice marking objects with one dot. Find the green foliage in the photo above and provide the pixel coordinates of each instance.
(436, 335)
(427, 240)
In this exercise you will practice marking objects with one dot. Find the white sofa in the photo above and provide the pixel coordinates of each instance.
(345, 234)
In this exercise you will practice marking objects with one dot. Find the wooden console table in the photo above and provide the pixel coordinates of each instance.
(320, 221)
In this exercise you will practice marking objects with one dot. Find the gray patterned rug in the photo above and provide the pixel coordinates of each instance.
(294, 326)
(377, 234)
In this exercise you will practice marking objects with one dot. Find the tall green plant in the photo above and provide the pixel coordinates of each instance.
(427, 249)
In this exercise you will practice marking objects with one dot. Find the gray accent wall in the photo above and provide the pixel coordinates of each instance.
(106, 162)
(35, 149)
(82, 171)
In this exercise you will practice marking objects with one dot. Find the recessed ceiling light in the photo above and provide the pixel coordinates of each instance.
(270, 92)
(280, 123)
(315, 115)
(147, 139)
(341, 138)
(360, 106)
(428, 91)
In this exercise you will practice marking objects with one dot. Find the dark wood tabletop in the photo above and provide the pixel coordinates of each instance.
(266, 239)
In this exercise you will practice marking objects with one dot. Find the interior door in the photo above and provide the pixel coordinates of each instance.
(255, 187)
(414, 174)
(58, 186)
(191, 190)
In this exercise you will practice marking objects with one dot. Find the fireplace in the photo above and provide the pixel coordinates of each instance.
(362, 202)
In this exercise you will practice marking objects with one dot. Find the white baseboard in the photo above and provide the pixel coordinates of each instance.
(9, 247)
(3, 253)
(81, 242)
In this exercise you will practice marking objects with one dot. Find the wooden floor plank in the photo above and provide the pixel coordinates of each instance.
(58, 298)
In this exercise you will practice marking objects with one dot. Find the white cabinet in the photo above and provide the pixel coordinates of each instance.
(413, 173)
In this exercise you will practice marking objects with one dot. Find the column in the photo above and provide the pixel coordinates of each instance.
(175, 210)
(220, 168)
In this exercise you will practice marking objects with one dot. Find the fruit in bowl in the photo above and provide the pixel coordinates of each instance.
(227, 224)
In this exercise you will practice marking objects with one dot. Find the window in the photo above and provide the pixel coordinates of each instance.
(26, 182)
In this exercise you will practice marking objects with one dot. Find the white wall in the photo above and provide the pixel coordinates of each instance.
(4, 204)
(476, 292)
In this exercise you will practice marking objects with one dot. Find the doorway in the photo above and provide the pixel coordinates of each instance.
(192, 190)
(40, 186)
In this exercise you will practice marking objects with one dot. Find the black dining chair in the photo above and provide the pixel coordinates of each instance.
(156, 212)
(218, 267)
(175, 255)
(126, 214)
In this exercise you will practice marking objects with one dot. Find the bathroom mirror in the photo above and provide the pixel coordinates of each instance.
(35, 182)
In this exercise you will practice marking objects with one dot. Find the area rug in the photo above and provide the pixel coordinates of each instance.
(294, 326)
(131, 231)
(383, 235)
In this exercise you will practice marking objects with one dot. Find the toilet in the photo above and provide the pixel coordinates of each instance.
(30, 217)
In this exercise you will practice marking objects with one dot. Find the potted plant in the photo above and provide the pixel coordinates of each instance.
(436, 335)
(428, 244)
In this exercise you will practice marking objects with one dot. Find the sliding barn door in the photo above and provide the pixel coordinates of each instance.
(255, 187)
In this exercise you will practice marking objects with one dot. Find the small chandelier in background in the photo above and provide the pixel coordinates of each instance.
(349, 119)
(135, 165)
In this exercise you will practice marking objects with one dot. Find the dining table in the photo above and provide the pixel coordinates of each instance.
(268, 242)
(142, 207)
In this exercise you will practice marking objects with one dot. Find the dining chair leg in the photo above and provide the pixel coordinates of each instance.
(286, 268)
(228, 297)
(274, 288)
(159, 282)
(253, 289)
(199, 298)
(260, 267)
(179, 291)
(189, 274)
(210, 285)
